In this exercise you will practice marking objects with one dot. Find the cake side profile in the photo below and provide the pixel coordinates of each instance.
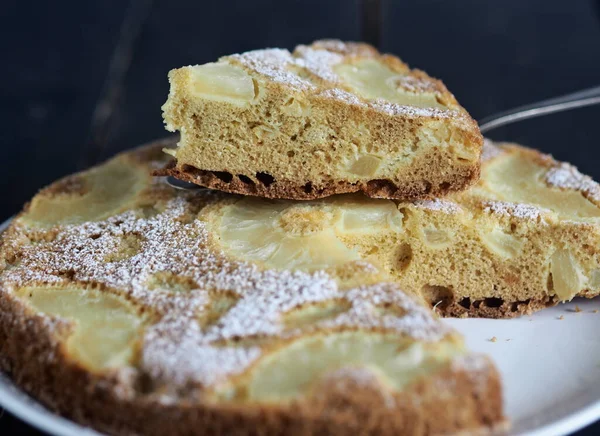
(329, 118)
(531, 240)
(125, 306)
(523, 238)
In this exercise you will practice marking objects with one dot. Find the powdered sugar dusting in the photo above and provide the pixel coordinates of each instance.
(412, 111)
(567, 176)
(260, 309)
(414, 319)
(416, 85)
(345, 96)
(176, 351)
(517, 210)
(274, 63)
(299, 70)
(319, 62)
(440, 205)
(346, 48)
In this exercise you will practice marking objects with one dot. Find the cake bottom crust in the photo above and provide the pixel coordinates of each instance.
(493, 307)
(282, 189)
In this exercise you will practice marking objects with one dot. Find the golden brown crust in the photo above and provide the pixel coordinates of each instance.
(455, 399)
(268, 187)
(492, 307)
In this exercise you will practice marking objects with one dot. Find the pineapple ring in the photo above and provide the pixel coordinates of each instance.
(305, 236)
(105, 328)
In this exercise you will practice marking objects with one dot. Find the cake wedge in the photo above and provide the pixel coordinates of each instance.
(329, 118)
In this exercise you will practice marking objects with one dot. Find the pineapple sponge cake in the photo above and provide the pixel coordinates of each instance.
(135, 308)
(329, 118)
(525, 237)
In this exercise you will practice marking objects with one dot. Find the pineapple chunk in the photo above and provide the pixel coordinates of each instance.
(435, 238)
(366, 165)
(221, 81)
(282, 235)
(567, 277)
(360, 215)
(503, 244)
(98, 194)
(105, 327)
(374, 80)
(289, 372)
(291, 235)
(517, 180)
(295, 107)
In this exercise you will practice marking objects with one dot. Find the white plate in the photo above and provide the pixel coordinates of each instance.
(550, 370)
(550, 366)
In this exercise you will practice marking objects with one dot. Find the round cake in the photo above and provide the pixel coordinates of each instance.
(136, 308)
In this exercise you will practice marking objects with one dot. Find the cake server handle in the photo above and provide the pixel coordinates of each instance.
(587, 97)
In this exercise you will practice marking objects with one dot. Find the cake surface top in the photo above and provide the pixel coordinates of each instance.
(352, 72)
(144, 261)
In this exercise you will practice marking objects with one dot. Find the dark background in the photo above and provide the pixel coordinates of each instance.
(82, 80)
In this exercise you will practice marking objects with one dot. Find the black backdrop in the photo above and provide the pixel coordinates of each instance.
(81, 80)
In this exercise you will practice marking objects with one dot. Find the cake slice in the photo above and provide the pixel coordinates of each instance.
(329, 118)
(525, 237)
(123, 307)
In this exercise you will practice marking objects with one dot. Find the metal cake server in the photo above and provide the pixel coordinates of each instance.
(574, 100)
